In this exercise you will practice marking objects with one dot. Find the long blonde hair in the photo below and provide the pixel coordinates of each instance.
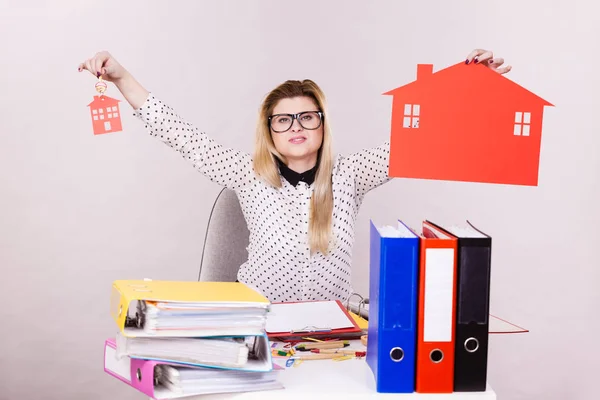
(265, 163)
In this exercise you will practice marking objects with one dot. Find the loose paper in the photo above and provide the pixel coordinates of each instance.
(287, 317)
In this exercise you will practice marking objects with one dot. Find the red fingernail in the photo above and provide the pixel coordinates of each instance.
(476, 60)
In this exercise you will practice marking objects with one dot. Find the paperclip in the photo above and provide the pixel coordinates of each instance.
(311, 329)
(290, 362)
(298, 362)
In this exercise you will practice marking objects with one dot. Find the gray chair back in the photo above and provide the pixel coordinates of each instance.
(226, 240)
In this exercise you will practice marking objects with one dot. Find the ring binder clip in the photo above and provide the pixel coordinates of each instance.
(311, 329)
(349, 297)
(138, 320)
(364, 301)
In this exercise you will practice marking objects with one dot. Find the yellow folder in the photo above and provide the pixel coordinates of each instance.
(127, 293)
(360, 321)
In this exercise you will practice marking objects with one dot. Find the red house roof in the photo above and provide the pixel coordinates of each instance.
(460, 77)
(103, 101)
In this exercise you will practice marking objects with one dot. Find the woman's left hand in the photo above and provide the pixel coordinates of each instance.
(486, 57)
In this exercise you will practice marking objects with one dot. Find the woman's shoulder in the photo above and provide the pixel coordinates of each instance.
(342, 165)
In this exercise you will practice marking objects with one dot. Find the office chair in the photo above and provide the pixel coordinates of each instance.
(226, 240)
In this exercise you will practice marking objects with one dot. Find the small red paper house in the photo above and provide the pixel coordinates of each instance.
(105, 113)
(466, 123)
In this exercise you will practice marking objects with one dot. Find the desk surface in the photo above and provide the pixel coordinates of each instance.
(321, 379)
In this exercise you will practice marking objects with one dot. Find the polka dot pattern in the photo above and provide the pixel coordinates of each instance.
(279, 262)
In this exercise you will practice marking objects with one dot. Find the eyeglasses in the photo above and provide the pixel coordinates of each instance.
(308, 120)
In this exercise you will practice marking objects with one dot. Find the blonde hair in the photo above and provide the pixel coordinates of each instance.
(265, 163)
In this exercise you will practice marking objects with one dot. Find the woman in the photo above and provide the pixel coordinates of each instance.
(300, 202)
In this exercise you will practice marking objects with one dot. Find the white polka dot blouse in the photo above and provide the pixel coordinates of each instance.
(279, 263)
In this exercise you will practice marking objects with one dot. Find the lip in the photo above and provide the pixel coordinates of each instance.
(298, 139)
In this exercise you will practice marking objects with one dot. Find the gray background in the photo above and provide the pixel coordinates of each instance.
(79, 211)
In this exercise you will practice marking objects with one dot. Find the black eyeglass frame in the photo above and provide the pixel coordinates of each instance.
(297, 117)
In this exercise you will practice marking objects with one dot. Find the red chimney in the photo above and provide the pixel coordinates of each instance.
(424, 70)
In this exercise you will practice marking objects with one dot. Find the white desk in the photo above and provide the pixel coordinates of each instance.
(348, 379)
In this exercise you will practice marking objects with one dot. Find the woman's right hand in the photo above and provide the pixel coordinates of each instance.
(103, 63)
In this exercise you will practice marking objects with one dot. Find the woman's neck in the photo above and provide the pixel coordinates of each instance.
(302, 164)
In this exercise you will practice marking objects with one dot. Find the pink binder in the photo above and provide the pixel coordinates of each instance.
(137, 373)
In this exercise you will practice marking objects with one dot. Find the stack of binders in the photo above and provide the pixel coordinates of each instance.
(181, 339)
(428, 308)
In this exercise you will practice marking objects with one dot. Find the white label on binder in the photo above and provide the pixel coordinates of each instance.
(120, 367)
(439, 274)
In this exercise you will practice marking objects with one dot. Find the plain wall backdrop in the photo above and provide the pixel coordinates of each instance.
(78, 211)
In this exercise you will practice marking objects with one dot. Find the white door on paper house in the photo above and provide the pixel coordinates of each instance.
(107, 126)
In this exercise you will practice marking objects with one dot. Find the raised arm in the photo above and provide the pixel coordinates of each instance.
(370, 167)
(221, 165)
(225, 166)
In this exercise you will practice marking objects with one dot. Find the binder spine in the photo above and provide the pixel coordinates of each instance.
(116, 302)
(436, 330)
(374, 301)
(472, 314)
(119, 307)
(393, 301)
(118, 368)
(142, 375)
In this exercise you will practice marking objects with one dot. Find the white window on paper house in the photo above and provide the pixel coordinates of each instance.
(522, 123)
(411, 116)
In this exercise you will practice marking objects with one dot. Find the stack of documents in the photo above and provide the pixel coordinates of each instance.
(226, 352)
(188, 309)
(185, 319)
(188, 381)
(179, 339)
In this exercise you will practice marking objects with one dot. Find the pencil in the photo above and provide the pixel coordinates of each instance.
(323, 345)
(313, 339)
(317, 356)
(335, 351)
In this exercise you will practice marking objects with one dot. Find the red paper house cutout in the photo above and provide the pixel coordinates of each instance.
(466, 123)
(105, 113)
